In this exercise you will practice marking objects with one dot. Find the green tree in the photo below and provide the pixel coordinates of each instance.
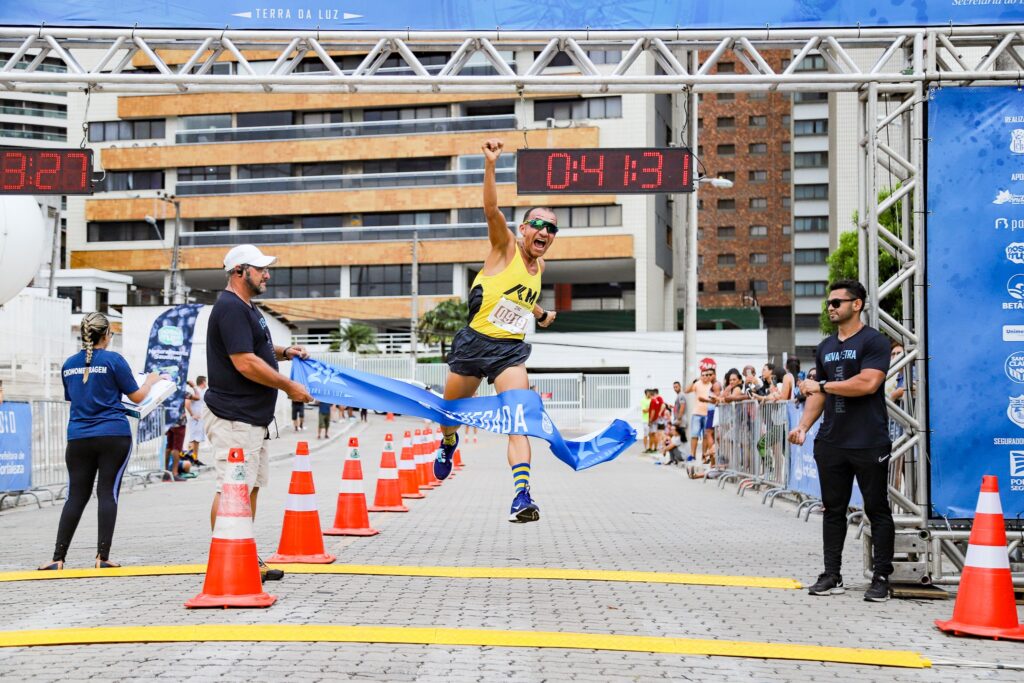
(440, 324)
(842, 263)
(353, 337)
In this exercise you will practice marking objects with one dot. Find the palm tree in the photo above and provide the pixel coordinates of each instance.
(353, 336)
(442, 322)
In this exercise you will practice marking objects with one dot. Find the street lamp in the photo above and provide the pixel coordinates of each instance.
(721, 183)
(177, 290)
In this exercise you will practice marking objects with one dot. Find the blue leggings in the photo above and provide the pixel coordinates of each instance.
(100, 460)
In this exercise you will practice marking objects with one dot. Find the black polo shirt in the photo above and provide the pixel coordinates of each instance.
(238, 327)
(860, 421)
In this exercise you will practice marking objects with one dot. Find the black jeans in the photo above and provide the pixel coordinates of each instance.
(837, 468)
(100, 460)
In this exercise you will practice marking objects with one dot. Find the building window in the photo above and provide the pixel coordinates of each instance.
(117, 181)
(124, 231)
(807, 321)
(787, 285)
(810, 289)
(805, 97)
(810, 160)
(304, 283)
(396, 280)
(810, 127)
(726, 286)
(726, 122)
(757, 176)
(476, 215)
(787, 257)
(700, 286)
(201, 173)
(605, 56)
(589, 108)
(219, 225)
(787, 175)
(786, 203)
(406, 113)
(264, 119)
(758, 230)
(757, 95)
(787, 230)
(700, 123)
(726, 204)
(757, 121)
(810, 223)
(141, 129)
(725, 150)
(726, 96)
(816, 191)
(727, 259)
(758, 259)
(257, 171)
(759, 285)
(757, 148)
(786, 146)
(758, 203)
(726, 232)
(810, 256)
(102, 300)
(728, 175)
(73, 293)
(727, 67)
(589, 216)
(786, 118)
(812, 63)
(266, 223)
(205, 121)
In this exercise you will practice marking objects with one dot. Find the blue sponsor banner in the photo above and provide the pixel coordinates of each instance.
(170, 345)
(519, 411)
(15, 446)
(803, 471)
(538, 15)
(976, 296)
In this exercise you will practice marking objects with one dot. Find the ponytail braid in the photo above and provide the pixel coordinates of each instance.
(94, 327)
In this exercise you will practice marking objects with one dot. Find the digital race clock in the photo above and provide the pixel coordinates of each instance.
(45, 171)
(597, 171)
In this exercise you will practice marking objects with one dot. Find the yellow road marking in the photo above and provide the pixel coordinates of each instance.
(456, 636)
(445, 572)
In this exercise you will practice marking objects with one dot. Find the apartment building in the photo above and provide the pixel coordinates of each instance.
(340, 186)
(744, 233)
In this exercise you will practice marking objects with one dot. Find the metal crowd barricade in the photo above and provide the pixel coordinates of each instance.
(752, 446)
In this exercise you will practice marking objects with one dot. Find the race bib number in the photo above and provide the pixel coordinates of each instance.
(508, 316)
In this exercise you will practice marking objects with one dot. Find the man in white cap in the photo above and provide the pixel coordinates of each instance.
(242, 366)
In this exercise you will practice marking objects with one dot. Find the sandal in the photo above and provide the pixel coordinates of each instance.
(106, 564)
(53, 566)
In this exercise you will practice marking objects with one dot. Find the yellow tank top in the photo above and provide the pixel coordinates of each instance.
(501, 305)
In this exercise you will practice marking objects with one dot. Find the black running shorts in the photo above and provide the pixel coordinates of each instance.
(477, 355)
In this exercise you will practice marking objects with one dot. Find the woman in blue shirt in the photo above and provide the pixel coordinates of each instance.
(99, 437)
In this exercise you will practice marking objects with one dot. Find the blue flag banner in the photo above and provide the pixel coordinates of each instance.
(975, 300)
(509, 15)
(15, 446)
(803, 471)
(170, 345)
(519, 411)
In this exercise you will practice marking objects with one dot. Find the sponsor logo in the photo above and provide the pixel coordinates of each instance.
(1007, 197)
(545, 423)
(1014, 367)
(1011, 224)
(1015, 252)
(1015, 290)
(1017, 463)
(1015, 411)
(1017, 140)
(171, 335)
(1013, 333)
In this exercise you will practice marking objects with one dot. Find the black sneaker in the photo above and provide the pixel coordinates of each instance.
(828, 584)
(268, 574)
(443, 457)
(878, 591)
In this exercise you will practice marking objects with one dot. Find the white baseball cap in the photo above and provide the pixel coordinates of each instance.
(247, 254)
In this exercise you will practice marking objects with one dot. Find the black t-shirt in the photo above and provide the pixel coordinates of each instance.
(238, 327)
(854, 422)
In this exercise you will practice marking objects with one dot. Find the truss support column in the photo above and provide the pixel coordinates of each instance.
(690, 309)
(920, 282)
(869, 271)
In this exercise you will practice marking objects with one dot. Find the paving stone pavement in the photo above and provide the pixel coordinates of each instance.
(624, 515)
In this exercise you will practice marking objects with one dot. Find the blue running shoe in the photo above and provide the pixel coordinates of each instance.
(523, 508)
(443, 459)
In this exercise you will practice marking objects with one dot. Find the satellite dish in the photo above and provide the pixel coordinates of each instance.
(22, 240)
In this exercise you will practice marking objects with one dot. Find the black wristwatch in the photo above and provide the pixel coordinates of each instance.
(821, 385)
(543, 317)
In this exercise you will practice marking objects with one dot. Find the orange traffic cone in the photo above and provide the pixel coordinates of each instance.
(984, 604)
(408, 480)
(301, 538)
(351, 519)
(233, 570)
(390, 417)
(430, 448)
(422, 464)
(457, 459)
(389, 496)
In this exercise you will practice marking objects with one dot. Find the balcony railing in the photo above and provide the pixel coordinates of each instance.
(344, 130)
(27, 111)
(340, 182)
(390, 233)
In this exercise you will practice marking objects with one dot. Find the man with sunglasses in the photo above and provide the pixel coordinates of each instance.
(244, 380)
(501, 301)
(853, 440)
(705, 390)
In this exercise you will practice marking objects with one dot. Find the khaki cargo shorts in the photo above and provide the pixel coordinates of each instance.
(224, 435)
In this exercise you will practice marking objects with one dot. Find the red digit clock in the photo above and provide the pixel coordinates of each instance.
(45, 171)
(604, 171)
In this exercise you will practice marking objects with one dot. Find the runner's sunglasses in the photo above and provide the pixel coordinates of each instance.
(540, 224)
